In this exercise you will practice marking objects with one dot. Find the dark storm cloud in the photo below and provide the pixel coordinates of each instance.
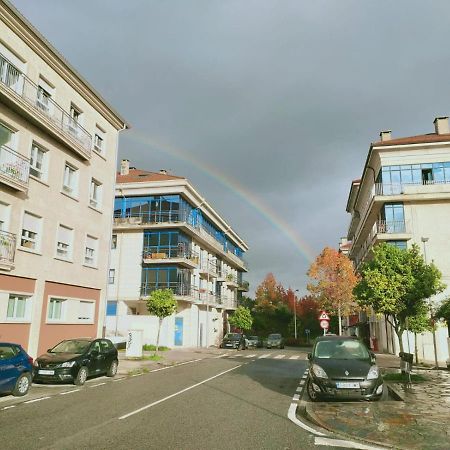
(283, 96)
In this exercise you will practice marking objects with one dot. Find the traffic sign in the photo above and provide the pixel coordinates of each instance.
(307, 331)
(324, 316)
(325, 324)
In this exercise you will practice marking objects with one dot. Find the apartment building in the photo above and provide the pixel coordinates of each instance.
(58, 156)
(402, 198)
(166, 235)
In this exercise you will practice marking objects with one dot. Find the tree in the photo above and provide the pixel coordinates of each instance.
(444, 312)
(334, 282)
(161, 304)
(308, 311)
(397, 283)
(269, 294)
(242, 319)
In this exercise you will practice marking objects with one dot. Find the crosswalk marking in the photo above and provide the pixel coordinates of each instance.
(264, 356)
(294, 357)
(251, 356)
(280, 356)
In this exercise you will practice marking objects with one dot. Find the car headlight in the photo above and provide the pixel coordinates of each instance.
(374, 373)
(35, 363)
(67, 364)
(318, 371)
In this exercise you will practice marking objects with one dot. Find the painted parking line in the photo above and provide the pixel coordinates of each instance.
(9, 407)
(99, 384)
(120, 379)
(343, 443)
(69, 392)
(296, 398)
(279, 356)
(36, 400)
(295, 357)
(177, 393)
(264, 356)
(251, 356)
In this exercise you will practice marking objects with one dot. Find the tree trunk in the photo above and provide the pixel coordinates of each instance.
(157, 338)
(340, 320)
(399, 334)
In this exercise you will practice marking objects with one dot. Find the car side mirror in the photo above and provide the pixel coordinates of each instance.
(49, 350)
(373, 358)
(310, 356)
(94, 353)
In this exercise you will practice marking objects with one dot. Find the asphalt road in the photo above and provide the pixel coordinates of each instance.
(233, 402)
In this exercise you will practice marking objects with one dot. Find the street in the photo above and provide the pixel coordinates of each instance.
(239, 400)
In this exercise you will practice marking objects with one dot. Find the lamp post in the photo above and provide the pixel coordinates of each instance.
(424, 241)
(295, 314)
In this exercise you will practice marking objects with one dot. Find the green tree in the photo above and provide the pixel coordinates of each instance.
(443, 312)
(397, 283)
(242, 318)
(161, 303)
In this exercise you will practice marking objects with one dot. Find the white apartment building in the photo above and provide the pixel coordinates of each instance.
(58, 156)
(402, 198)
(166, 235)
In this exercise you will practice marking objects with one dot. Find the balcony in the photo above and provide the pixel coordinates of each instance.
(7, 250)
(209, 298)
(175, 255)
(181, 291)
(208, 269)
(14, 169)
(243, 286)
(124, 220)
(18, 90)
(231, 280)
(425, 187)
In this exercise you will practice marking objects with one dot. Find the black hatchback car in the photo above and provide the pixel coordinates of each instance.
(234, 340)
(74, 360)
(342, 367)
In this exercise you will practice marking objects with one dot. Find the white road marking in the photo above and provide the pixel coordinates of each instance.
(99, 384)
(302, 382)
(177, 393)
(293, 418)
(251, 356)
(264, 356)
(299, 389)
(279, 356)
(175, 365)
(294, 357)
(137, 374)
(9, 407)
(296, 398)
(69, 392)
(37, 400)
(119, 379)
(342, 443)
(221, 355)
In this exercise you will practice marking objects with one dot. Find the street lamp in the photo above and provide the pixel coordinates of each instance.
(295, 314)
(424, 241)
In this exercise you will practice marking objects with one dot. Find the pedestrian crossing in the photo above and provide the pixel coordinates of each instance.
(278, 356)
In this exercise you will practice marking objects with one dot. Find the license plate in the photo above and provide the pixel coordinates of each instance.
(46, 372)
(346, 385)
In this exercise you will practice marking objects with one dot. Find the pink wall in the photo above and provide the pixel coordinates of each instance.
(52, 333)
(15, 332)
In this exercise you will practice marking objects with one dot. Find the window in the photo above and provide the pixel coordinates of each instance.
(95, 194)
(99, 140)
(90, 251)
(17, 307)
(111, 276)
(4, 217)
(70, 183)
(64, 242)
(114, 241)
(31, 230)
(56, 309)
(38, 160)
(86, 311)
(75, 114)
(111, 308)
(7, 137)
(11, 68)
(44, 94)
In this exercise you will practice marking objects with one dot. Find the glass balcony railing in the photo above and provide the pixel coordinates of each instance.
(7, 247)
(14, 166)
(153, 252)
(179, 289)
(16, 81)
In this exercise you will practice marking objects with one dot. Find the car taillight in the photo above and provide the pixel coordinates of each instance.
(30, 360)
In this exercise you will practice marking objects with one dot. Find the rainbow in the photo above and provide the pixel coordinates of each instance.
(233, 185)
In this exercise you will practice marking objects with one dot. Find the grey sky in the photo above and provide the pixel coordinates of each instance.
(282, 96)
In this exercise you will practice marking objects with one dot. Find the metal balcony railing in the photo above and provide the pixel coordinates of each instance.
(15, 80)
(179, 289)
(7, 247)
(153, 252)
(208, 266)
(14, 166)
(243, 285)
(398, 188)
(384, 226)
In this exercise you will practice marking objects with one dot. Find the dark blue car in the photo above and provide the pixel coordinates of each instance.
(16, 369)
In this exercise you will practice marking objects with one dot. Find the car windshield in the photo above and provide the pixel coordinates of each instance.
(341, 349)
(253, 338)
(233, 336)
(73, 346)
(274, 336)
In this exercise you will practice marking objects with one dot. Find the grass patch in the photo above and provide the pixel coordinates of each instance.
(138, 371)
(152, 357)
(403, 377)
(152, 348)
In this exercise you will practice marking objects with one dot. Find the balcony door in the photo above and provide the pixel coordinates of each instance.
(392, 218)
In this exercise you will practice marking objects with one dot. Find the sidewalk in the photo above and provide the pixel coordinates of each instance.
(420, 421)
(169, 358)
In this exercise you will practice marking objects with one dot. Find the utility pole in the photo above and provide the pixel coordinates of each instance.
(425, 240)
(295, 314)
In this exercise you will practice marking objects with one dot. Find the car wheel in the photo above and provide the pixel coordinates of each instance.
(112, 369)
(311, 392)
(22, 385)
(81, 376)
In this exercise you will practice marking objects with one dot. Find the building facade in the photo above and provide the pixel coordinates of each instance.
(402, 198)
(166, 235)
(58, 154)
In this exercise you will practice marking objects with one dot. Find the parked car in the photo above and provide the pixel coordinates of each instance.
(74, 360)
(16, 369)
(341, 367)
(253, 341)
(275, 340)
(234, 340)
